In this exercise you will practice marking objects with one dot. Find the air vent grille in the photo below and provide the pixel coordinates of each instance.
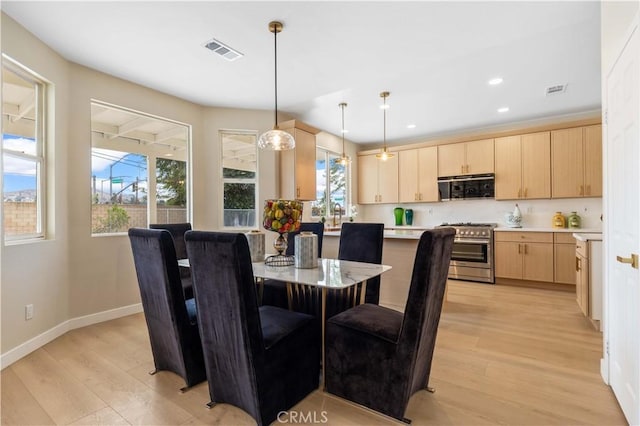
(223, 50)
(557, 89)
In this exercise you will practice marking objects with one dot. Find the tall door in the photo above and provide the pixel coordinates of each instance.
(622, 321)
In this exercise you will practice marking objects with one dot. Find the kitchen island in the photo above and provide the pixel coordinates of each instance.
(399, 250)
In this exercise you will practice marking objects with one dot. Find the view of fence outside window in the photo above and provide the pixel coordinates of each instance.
(239, 178)
(139, 170)
(23, 152)
(331, 184)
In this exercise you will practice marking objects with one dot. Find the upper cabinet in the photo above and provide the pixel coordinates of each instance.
(418, 175)
(298, 166)
(377, 179)
(523, 166)
(467, 158)
(576, 162)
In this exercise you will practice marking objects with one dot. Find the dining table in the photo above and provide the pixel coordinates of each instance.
(330, 274)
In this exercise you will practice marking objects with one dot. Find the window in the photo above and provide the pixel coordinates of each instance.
(239, 179)
(332, 190)
(139, 170)
(23, 152)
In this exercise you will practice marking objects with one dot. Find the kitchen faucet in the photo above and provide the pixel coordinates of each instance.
(337, 208)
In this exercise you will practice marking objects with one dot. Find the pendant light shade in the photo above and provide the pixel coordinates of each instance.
(384, 155)
(343, 160)
(276, 139)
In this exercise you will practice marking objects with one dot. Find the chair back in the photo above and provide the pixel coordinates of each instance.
(228, 316)
(174, 340)
(424, 304)
(362, 242)
(315, 227)
(177, 231)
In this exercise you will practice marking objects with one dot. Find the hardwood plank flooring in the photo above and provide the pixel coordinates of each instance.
(504, 355)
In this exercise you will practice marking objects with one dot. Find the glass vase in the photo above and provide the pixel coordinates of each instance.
(398, 213)
(408, 217)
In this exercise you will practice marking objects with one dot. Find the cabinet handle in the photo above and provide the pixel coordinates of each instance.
(462, 169)
(577, 264)
(519, 192)
(581, 190)
(588, 190)
(633, 260)
(525, 249)
(519, 248)
(298, 192)
(467, 168)
(420, 196)
(525, 192)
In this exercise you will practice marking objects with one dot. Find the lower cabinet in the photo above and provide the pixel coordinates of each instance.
(564, 253)
(588, 272)
(524, 255)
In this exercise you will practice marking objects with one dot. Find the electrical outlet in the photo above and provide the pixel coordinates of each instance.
(586, 209)
(28, 312)
(529, 210)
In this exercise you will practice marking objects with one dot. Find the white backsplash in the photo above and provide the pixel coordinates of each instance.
(535, 213)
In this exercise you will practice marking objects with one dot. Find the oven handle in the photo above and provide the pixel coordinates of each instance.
(471, 241)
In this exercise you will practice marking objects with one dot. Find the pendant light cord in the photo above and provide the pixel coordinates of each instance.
(275, 61)
(384, 125)
(342, 105)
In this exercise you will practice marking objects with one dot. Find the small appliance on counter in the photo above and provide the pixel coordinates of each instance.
(559, 221)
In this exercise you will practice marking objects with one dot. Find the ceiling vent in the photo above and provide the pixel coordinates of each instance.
(223, 50)
(555, 90)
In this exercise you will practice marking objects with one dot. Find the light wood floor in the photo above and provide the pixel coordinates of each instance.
(504, 355)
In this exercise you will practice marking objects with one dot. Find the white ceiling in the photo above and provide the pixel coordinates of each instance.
(434, 57)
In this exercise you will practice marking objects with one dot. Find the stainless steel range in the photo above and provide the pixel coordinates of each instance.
(472, 257)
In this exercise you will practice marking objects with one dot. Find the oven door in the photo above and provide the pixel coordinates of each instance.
(468, 252)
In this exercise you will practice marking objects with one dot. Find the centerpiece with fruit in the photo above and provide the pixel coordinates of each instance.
(281, 216)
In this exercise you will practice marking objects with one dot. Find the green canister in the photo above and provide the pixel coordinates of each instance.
(574, 220)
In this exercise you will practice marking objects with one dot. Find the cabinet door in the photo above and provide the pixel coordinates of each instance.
(508, 259)
(427, 174)
(408, 191)
(593, 161)
(536, 165)
(388, 180)
(564, 263)
(451, 160)
(538, 262)
(479, 157)
(567, 163)
(305, 155)
(367, 179)
(582, 284)
(508, 168)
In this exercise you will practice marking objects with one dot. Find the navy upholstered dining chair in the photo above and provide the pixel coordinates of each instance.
(275, 292)
(264, 359)
(378, 357)
(171, 320)
(177, 231)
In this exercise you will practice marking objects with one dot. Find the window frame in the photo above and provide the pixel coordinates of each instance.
(223, 180)
(42, 88)
(347, 190)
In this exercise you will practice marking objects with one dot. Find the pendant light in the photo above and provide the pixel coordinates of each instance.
(343, 160)
(384, 155)
(276, 139)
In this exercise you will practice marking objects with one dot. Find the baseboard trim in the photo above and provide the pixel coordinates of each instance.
(42, 339)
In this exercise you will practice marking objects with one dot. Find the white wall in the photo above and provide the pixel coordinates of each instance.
(73, 274)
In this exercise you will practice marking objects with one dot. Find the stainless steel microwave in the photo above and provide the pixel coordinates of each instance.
(466, 187)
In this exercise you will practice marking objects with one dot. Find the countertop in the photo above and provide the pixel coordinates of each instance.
(400, 234)
(548, 229)
(582, 236)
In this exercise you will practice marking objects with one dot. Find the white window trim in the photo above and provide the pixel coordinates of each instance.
(347, 190)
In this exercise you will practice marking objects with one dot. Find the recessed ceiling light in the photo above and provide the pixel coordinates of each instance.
(495, 81)
(411, 126)
(503, 109)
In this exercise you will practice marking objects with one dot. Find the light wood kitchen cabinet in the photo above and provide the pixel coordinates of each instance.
(524, 255)
(588, 271)
(417, 169)
(467, 158)
(564, 250)
(377, 179)
(523, 166)
(576, 162)
(298, 166)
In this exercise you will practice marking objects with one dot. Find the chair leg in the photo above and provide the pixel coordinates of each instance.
(406, 420)
(210, 405)
(184, 389)
(151, 373)
(430, 389)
